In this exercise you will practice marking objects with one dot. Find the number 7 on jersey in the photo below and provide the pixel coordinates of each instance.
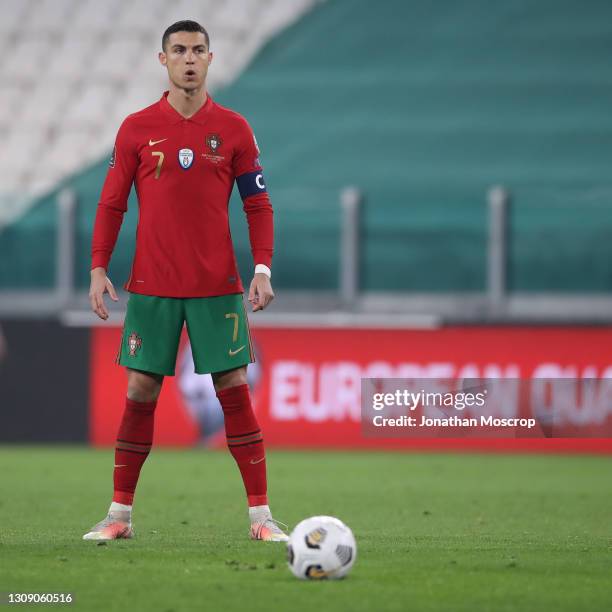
(160, 161)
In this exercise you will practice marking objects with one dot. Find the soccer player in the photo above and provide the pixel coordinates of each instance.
(184, 153)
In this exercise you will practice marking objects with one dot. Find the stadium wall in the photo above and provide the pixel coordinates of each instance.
(44, 382)
(306, 383)
(61, 384)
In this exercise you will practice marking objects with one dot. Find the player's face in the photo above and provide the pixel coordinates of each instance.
(187, 59)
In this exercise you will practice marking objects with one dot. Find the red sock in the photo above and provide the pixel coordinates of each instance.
(245, 442)
(133, 445)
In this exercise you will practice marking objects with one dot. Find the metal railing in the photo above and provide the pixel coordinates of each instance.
(349, 305)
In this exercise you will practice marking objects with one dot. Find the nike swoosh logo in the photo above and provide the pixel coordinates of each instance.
(154, 142)
(254, 461)
(123, 465)
(232, 353)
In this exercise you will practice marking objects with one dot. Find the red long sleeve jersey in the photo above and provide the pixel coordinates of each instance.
(184, 172)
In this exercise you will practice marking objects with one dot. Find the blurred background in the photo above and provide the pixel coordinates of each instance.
(440, 174)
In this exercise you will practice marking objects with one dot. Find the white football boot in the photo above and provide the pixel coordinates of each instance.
(115, 526)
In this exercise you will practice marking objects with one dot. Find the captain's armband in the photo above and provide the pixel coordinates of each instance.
(250, 184)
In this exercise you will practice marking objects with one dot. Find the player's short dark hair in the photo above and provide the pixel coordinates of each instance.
(185, 26)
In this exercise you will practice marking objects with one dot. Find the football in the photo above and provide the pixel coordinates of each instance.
(321, 547)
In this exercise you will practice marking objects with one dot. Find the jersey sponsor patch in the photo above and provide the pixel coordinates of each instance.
(185, 157)
(111, 161)
(250, 184)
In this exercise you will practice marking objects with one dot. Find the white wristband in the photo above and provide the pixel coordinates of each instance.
(263, 269)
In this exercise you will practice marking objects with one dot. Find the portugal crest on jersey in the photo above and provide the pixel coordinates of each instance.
(185, 158)
(213, 142)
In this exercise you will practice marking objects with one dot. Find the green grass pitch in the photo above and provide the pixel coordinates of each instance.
(434, 532)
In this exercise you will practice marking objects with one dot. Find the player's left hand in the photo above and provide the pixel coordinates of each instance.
(260, 292)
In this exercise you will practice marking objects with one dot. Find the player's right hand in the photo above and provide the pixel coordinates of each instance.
(100, 284)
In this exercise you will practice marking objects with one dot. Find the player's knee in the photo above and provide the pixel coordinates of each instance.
(143, 392)
(230, 378)
(143, 387)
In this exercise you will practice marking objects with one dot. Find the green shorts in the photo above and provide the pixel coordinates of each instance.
(217, 327)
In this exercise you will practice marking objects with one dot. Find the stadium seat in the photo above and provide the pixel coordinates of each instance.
(138, 17)
(93, 63)
(91, 107)
(202, 10)
(49, 16)
(44, 107)
(134, 98)
(94, 17)
(10, 101)
(32, 51)
(118, 59)
(71, 57)
(19, 153)
(13, 18)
